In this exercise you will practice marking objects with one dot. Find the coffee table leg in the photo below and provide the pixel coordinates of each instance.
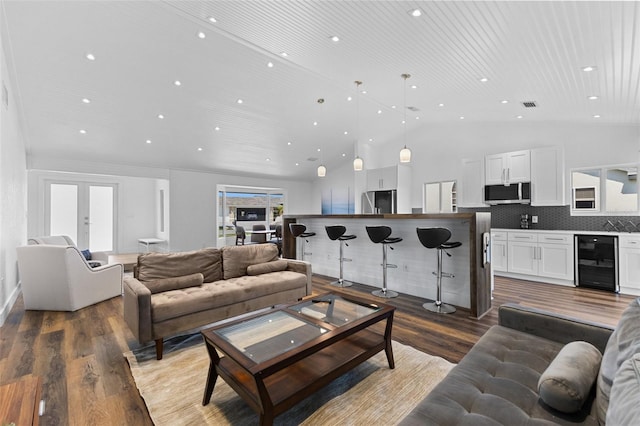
(387, 338)
(211, 383)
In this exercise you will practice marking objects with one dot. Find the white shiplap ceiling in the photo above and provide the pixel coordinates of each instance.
(528, 51)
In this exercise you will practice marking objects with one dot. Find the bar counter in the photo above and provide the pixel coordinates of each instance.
(470, 289)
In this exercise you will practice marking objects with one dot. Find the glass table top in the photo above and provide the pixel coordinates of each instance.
(334, 309)
(268, 336)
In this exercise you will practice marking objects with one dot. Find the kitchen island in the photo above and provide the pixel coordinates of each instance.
(470, 289)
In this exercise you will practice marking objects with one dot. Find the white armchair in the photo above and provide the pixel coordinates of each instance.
(58, 278)
(100, 257)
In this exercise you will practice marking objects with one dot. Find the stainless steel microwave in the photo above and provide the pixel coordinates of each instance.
(515, 193)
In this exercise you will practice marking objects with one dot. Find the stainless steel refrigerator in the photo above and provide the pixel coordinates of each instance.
(379, 202)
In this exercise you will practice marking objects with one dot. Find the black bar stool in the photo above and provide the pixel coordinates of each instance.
(299, 230)
(336, 232)
(437, 238)
(381, 235)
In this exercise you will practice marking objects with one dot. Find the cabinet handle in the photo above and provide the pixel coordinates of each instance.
(508, 175)
(539, 253)
(555, 239)
(502, 176)
(522, 238)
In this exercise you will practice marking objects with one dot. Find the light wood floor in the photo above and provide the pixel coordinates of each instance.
(86, 380)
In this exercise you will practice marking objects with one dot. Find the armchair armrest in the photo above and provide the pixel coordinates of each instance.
(552, 326)
(137, 309)
(301, 267)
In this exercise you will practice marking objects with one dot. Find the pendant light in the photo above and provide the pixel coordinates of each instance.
(358, 164)
(405, 153)
(322, 170)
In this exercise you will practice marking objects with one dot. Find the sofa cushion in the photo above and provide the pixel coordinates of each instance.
(174, 283)
(265, 268)
(567, 382)
(154, 266)
(236, 259)
(176, 303)
(622, 345)
(624, 406)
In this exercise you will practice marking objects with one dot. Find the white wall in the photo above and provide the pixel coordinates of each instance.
(13, 187)
(136, 200)
(438, 149)
(193, 204)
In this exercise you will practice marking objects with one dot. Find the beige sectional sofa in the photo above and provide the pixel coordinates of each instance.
(174, 292)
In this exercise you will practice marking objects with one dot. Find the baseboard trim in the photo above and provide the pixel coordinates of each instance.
(4, 313)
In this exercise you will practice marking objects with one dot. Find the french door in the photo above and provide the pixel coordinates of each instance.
(84, 211)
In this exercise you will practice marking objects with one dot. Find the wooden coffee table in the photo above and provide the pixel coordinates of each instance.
(276, 358)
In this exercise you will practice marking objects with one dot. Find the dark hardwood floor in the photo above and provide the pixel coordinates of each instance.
(86, 380)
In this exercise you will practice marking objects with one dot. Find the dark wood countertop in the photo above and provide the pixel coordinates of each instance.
(387, 216)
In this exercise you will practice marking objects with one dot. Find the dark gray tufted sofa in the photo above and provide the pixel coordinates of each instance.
(497, 381)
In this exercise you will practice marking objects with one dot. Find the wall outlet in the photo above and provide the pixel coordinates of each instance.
(534, 219)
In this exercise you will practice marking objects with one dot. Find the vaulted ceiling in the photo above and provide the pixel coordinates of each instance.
(477, 60)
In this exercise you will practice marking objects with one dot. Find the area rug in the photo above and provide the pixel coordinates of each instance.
(172, 389)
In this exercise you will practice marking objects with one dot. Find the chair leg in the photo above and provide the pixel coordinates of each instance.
(384, 292)
(438, 306)
(341, 282)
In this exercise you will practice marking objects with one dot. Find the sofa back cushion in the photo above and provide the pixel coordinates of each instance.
(155, 266)
(623, 344)
(236, 259)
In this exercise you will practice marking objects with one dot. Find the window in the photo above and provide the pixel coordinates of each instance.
(611, 190)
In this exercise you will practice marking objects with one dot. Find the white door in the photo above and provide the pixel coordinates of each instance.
(495, 169)
(86, 212)
(518, 166)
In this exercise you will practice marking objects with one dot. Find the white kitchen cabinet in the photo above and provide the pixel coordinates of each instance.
(555, 256)
(547, 177)
(508, 167)
(499, 251)
(547, 255)
(471, 186)
(522, 253)
(382, 179)
(629, 265)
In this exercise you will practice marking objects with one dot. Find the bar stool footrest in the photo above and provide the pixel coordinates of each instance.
(343, 283)
(387, 294)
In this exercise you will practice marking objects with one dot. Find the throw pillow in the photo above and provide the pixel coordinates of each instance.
(265, 268)
(86, 254)
(155, 266)
(174, 283)
(624, 406)
(622, 345)
(567, 381)
(236, 259)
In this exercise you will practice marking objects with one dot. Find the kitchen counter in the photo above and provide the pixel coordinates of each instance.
(574, 232)
(470, 289)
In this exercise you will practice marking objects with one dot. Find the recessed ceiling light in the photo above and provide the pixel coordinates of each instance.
(217, 129)
(588, 68)
(518, 116)
(83, 132)
(370, 139)
(417, 118)
(402, 122)
(199, 149)
(593, 97)
(201, 34)
(596, 116)
(349, 98)
(86, 100)
(504, 101)
(415, 13)
(160, 116)
(148, 140)
(212, 19)
(413, 86)
(335, 39)
(440, 105)
(268, 159)
(289, 143)
(379, 111)
(344, 155)
(484, 79)
(346, 132)
(239, 101)
(315, 123)
(177, 83)
(393, 107)
(318, 149)
(461, 117)
(284, 54)
(364, 92)
(270, 64)
(297, 164)
(90, 56)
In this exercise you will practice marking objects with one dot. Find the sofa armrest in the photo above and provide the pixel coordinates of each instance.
(549, 325)
(302, 267)
(137, 309)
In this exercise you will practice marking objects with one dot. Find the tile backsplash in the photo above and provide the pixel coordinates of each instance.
(555, 218)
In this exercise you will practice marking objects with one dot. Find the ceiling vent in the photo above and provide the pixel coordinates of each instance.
(412, 108)
(312, 159)
(529, 104)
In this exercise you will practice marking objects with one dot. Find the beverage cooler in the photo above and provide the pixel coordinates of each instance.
(596, 262)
